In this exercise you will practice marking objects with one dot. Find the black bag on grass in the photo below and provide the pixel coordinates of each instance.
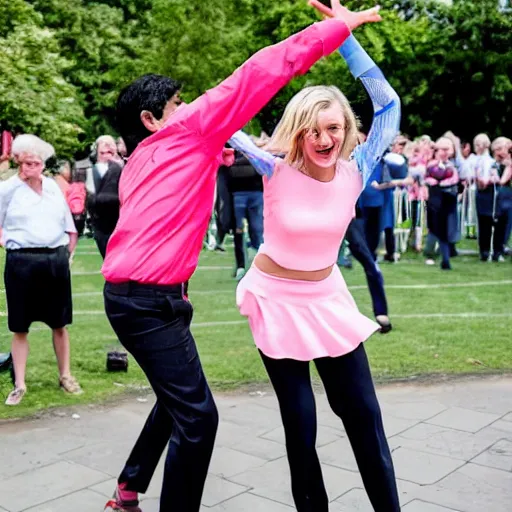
(117, 361)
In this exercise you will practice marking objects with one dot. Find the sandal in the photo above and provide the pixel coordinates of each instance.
(15, 396)
(70, 385)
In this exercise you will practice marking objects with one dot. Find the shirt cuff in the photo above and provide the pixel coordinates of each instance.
(359, 62)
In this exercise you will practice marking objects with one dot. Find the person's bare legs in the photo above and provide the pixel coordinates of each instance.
(19, 352)
(62, 350)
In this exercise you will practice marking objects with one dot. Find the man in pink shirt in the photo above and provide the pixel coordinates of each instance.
(166, 193)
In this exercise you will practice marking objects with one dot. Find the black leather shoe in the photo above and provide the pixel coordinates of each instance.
(385, 324)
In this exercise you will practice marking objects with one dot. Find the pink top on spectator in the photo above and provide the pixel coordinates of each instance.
(167, 187)
(76, 197)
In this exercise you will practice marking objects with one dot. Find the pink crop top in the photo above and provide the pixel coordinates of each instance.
(305, 220)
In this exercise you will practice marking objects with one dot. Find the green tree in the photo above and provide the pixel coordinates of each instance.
(102, 44)
(34, 95)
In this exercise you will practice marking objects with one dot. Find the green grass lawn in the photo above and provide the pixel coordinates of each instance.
(423, 342)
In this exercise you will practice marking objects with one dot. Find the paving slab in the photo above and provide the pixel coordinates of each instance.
(472, 488)
(451, 444)
(507, 417)
(355, 500)
(272, 481)
(423, 468)
(81, 501)
(44, 484)
(227, 462)
(325, 435)
(107, 456)
(505, 427)
(260, 447)
(498, 456)
(463, 419)
(446, 441)
(419, 410)
(251, 503)
(423, 506)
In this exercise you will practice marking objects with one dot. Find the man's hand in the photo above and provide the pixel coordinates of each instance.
(351, 19)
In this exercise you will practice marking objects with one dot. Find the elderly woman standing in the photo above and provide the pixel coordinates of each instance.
(38, 234)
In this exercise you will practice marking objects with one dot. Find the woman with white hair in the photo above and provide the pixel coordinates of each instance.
(38, 234)
(481, 169)
(103, 187)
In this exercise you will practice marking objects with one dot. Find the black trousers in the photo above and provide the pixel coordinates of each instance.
(101, 240)
(358, 247)
(351, 394)
(485, 225)
(372, 231)
(153, 324)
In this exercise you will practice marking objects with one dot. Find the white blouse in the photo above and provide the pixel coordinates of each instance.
(30, 220)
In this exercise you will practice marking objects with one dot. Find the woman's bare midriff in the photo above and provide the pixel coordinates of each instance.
(269, 266)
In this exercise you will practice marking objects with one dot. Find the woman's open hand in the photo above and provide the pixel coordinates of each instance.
(351, 19)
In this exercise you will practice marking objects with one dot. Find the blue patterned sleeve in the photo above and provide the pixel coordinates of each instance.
(260, 159)
(386, 106)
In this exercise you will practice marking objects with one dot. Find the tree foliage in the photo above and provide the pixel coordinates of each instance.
(63, 62)
(34, 94)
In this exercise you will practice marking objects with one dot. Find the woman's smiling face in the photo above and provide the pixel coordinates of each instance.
(322, 144)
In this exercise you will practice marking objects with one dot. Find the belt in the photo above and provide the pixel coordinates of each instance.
(36, 250)
(146, 289)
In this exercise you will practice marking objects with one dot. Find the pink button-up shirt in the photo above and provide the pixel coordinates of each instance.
(167, 187)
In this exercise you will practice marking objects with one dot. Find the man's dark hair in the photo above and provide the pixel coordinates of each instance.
(149, 92)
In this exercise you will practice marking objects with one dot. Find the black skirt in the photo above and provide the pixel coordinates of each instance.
(38, 288)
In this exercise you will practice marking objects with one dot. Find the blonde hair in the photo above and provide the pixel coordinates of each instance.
(32, 145)
(501, 141)
(410, 147)
(484, 139)
(301, 115)
(108, 140)
(445, 139)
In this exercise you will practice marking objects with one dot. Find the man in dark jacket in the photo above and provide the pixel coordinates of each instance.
(103, 202)
(246, 187)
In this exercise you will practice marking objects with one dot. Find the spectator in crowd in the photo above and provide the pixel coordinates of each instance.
(418, 192)
(501, 188)
(226, 222)
(122, 153)
(39, 234)
(103, 188)
(394, 160)
(74, 192)
(482, 170)
(377, 200)
(359, 249)
(246, 186)
(480, 162)
(442, 178)
(465, 149)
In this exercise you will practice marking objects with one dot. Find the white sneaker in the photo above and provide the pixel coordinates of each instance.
(430, 262)
(240, 272)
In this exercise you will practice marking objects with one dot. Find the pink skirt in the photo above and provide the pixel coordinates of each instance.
(302, 320)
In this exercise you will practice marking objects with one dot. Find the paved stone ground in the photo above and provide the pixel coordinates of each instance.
(452, 447)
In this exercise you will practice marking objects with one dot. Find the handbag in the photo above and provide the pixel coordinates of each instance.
(7, 366)
(5, 362)
(117, 361)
